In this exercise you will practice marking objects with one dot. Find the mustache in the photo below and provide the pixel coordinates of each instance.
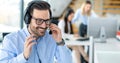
(41, 28)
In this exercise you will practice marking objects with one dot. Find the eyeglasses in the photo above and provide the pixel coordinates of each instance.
(39, 21)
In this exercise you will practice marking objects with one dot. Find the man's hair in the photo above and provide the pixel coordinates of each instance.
(40, 5)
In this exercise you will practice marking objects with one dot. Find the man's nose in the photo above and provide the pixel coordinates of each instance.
(44, 24)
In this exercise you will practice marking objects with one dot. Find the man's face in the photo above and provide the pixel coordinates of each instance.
(37, 28)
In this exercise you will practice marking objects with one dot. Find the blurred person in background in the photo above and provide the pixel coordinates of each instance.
(66, 27)
(83, 14)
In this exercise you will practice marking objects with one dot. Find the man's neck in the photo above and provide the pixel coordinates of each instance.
(31, 33)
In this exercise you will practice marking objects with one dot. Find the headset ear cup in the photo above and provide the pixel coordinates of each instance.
(27, 18)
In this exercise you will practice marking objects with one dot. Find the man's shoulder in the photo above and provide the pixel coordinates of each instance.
(14, 34)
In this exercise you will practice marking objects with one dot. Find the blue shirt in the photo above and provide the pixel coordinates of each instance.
(83, 18)
(46, 49)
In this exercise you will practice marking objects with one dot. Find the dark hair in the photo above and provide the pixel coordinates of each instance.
(40, 5)
(88, 2)
(68, 12)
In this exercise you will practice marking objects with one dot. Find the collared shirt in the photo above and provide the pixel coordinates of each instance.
(46, 49)
(83, 18)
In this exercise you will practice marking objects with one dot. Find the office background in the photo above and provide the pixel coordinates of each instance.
(12, 11)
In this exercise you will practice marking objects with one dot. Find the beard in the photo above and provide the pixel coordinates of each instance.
(38, 31)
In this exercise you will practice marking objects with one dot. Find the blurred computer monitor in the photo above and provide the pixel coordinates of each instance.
(106, 26)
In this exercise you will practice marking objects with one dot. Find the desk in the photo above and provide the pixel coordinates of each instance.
(75, 42)
(72, 41)
(108, 52)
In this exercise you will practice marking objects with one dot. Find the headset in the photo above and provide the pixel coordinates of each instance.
(27, 14)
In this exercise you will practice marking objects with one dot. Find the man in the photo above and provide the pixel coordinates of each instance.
(33, 44)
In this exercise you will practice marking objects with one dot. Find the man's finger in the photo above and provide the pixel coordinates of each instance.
(29, 40)
(31, 44)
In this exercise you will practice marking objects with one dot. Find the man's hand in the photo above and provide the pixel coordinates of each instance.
(28, 46)
(56, 32)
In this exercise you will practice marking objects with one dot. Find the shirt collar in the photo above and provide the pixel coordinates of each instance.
(26, 31)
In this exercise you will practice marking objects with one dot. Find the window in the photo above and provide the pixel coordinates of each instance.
(10, 14)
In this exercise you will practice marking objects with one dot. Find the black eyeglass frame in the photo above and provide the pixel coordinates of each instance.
(39, 21)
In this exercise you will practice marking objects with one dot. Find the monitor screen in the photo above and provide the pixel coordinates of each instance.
(95, 25)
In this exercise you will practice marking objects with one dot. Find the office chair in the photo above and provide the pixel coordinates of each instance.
(4, 34)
